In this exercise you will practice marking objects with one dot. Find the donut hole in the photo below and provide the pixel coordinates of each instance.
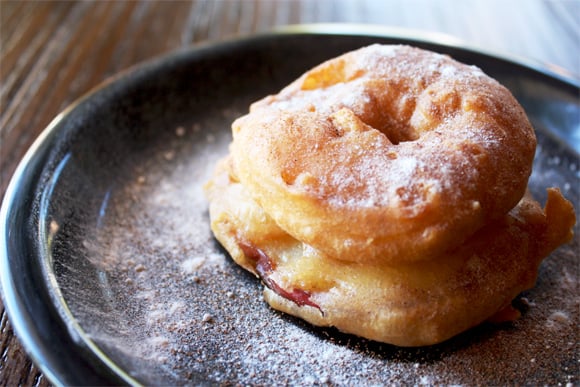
(389, 106)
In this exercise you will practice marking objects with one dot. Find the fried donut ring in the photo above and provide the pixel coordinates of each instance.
(411, 304)
(383, 193)
(387, 153)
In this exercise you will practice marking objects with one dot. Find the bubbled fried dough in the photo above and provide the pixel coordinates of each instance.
(382, 193)
(386, 153)
(411, 304)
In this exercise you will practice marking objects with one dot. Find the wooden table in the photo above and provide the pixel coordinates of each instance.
(53, 52)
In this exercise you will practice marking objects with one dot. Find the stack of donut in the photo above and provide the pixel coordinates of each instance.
(384, 193)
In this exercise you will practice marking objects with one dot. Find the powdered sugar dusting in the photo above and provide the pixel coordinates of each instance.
(425, 149)
(372, 191)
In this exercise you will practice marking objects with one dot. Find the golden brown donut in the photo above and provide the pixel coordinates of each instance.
(388, 152)
(410, 304)
(383, 193)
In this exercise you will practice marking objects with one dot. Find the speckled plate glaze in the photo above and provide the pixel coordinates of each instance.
(110, 274)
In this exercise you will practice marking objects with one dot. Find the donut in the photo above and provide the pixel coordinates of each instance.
(384, 193)
(411, 304)
(388, 152)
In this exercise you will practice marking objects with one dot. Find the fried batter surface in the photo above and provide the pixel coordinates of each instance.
(386, 153)
(383, 193)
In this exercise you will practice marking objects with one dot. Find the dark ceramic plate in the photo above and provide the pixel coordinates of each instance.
(110, 274)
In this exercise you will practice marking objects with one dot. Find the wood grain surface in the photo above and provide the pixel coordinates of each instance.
(52, 52)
